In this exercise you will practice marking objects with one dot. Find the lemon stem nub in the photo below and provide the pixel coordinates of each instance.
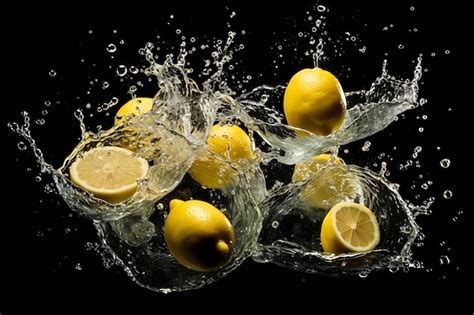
(222, 247)
(175, 203)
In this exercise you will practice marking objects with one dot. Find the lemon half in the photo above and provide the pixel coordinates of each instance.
(134, 107)
(349, 227)
(109, 173)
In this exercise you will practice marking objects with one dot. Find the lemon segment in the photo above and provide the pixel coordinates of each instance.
(230, 143)
(349, 227)
(330, 187)
(134, 107)
(109, 173)
(314, 101)
(198, 235)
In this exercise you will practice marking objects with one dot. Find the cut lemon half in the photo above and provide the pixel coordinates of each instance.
(109, 173)
(349, 227)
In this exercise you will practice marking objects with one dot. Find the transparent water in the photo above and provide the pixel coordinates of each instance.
(271, 222)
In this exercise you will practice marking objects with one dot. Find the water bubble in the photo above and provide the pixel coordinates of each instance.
(418, 149)
(433, 54)
(363, 49)
(275, 224)
(421, 129)
(445, 163)
(412, 9)
(321, 8)
(44, 112)
(447, 52)
(401, 46)
(178, 31)
(111, 48)
(366, 146)
(424, 117)
(353, 38)
(105, 85)
(160, 206)
(444, 260)
(133, 69)
(121, 70)
(21, 146)
(78, 267)
(38, 179)
(40, 121)
(121, 42)
(47, 103)
(300, 34)
(52, 73)
(447, 194)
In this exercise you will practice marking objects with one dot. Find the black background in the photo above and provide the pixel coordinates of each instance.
(38, 258)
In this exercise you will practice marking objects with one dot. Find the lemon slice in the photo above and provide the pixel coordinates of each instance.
(109, 173)
(349, 227)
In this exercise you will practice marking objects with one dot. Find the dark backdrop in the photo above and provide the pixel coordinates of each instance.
(39, 258)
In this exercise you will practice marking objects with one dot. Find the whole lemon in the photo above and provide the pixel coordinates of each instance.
(330, 187)
(314, 101)
(198, 235)
(134, 107)
(230, 143)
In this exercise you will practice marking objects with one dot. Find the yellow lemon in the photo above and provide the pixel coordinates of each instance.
(314, 101)
(109, 173)
(230, 143)
(134, 107)
(349, 227)
(331, 186)
(198, 235)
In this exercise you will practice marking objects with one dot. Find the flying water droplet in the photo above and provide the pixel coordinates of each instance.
(447, 194)
(52, 73)
(121, 70)
(445, 163)
(111, 48)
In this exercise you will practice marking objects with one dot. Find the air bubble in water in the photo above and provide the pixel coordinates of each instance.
(121, 70)
(445, 163)
(111, 48)
(447, 194)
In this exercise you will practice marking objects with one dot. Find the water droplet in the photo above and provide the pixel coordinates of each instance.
(111, 48)
(321, 8)
(418, 149)
(178, 31)
(363, 275)
(121, 42)
(78, 267)
(21, 146)
(447, 52)
(160, 206)
(275, 224)
(52, 73)
(133, 69)
(401, 46)
(412, 9)
(300, 34)
(346, 151)
(121, 70)
(44, 112)
(433, 54)
(47, 103)
(38, 179)
(421, 129)
(363, 49)
(447, 194)
(444, 260)
(105, 85)
(445, 163)
(424, 117)
(90, 31)
(366, 146)
(353, 38)
(40, 121)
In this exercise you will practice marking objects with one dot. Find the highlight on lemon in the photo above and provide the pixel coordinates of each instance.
(228, 143)
(198, 235)
(333, 184)
(134, 107)
(349, 227)
(314, 101)
(109, 173)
